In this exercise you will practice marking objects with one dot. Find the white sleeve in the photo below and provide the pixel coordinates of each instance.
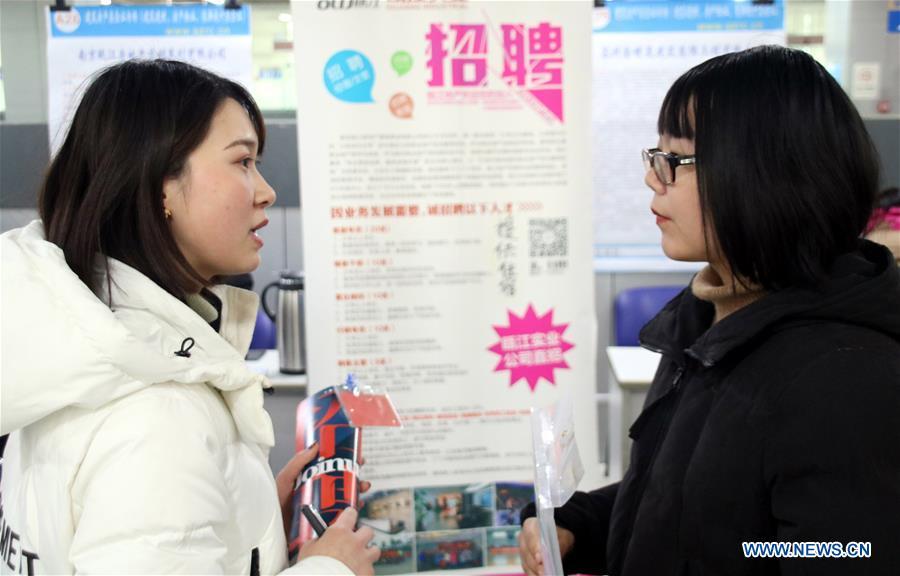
(150, 494)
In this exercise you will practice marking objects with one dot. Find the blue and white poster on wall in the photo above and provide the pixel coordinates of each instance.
(893, 17)
(639, 48)
(85, 39)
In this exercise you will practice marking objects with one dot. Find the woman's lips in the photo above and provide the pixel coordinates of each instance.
(255, 232)
(659, 217)
(260, 225)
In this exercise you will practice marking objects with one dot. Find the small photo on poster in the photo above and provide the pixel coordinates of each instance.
(454, 507)
(387, 511)
(503, 546)
(449, 550)
(396, 553)
(511, 498)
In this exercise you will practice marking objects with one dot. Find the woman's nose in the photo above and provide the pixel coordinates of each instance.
(265, 194)
(653, 182)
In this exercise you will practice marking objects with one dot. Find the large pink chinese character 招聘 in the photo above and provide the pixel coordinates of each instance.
(468, 58)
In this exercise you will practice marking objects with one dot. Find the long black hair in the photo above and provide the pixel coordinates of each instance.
(134, 128)
(786, 170)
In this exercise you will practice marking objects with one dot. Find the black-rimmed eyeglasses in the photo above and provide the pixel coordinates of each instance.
(664, 163)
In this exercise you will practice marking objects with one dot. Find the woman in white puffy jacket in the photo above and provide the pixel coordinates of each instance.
(138, 441)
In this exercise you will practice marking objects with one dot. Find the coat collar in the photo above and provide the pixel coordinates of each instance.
(863, 288)
(169, 326)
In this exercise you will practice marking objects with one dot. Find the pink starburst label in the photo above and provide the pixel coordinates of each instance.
(531, 347)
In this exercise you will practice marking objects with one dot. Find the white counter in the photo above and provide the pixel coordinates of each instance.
(267, 365)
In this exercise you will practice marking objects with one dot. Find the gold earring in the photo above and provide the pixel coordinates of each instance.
(168, 213)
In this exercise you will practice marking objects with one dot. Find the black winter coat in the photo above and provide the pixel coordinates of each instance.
(779, 423)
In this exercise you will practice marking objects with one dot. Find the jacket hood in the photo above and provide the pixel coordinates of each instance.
(862, 289)
(64, 346)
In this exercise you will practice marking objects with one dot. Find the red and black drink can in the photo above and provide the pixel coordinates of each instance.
(331, 481)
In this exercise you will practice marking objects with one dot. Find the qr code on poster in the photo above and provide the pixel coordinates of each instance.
(548, 237)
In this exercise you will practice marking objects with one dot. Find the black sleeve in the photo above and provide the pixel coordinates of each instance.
(586, 515)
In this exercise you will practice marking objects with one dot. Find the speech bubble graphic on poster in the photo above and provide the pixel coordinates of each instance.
(531, 347)
(401, 62)
(349, 76)
(401, 105)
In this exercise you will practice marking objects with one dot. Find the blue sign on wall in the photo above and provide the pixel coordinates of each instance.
(190, 20)
(690, 16)
(893, 22)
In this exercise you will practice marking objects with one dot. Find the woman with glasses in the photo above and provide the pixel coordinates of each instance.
(774, 416)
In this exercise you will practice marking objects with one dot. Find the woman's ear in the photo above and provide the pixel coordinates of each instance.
(171, 191)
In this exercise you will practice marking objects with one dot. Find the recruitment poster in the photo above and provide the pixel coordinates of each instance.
(85, 39)
(445, 192)
(639, 49)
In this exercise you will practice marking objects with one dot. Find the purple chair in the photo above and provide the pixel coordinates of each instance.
(263, 332)
(637, 306)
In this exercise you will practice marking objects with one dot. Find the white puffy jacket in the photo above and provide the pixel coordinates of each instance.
(125, 457)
